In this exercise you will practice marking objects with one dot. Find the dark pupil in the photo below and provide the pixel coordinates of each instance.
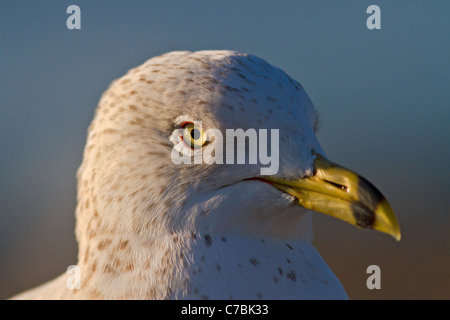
(195, 134)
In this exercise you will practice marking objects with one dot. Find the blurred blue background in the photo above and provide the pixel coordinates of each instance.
(383, 96)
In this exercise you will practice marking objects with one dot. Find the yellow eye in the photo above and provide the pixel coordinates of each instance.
(193, 136)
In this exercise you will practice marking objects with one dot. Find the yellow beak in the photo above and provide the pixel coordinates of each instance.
(343, 194)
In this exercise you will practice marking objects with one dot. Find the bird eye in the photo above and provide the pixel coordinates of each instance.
(193, 136)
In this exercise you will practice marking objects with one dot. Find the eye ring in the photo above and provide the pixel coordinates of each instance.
(193, 136)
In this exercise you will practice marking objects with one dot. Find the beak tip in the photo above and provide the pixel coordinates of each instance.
(386, 220)
(397, 235)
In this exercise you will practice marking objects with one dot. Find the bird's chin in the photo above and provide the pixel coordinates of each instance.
(250, 206)
(291, 200)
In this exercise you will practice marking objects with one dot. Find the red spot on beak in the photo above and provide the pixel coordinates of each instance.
(260, 179)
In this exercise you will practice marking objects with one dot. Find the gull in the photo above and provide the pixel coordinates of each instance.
(150, 228)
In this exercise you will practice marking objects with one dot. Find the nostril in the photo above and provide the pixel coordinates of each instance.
(337, 185)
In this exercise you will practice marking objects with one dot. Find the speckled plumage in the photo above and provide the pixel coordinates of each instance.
(150, 229)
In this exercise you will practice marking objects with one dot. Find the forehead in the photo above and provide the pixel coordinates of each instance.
(237, 90)
(259, 95)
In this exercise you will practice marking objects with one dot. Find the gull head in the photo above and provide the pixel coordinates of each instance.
(160, 157)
